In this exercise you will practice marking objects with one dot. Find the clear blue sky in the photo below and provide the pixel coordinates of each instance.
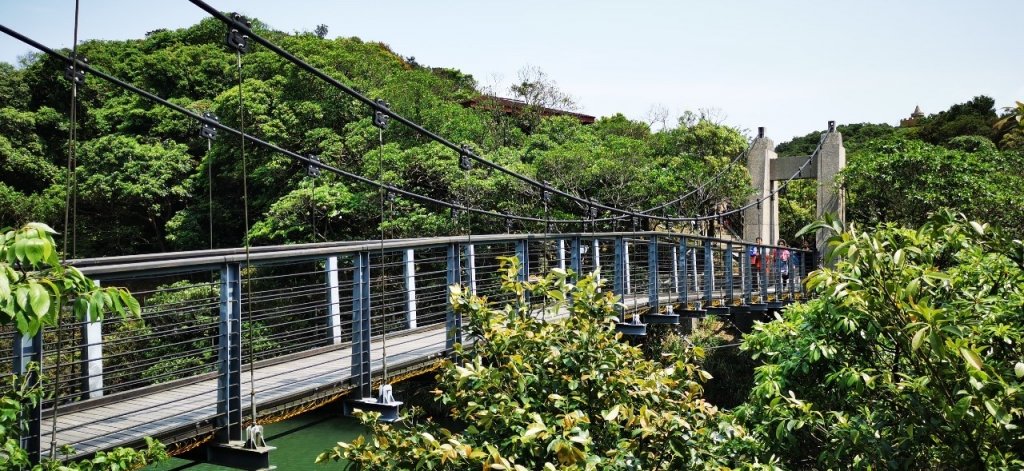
(786, 65)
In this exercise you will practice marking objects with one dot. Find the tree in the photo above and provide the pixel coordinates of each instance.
(972, 118)
(1009, 127)
(320, 31)
(35, 290)
(554, 395)
(909, 357)
(902, 181)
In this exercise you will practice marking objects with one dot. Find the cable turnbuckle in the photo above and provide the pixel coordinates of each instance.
(207, 130)
(236, 39)
(380, 116)
(75, 73)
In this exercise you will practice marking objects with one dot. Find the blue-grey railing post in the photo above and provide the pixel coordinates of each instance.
(92, 356)
(523, 254)
(684, 286)
(453, 321)
(625, 268)
(652, 274)
(727, 266)
(747, 275)
(333, 302)
(409, 275)
(361, 324)
(619, 278)
(596, 249)
(471, 267)
(763, 257)
(709, 272)
(29, 349)
(575, 264)
(229, 355)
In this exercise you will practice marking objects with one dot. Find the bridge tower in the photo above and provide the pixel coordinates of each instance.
(766, 171)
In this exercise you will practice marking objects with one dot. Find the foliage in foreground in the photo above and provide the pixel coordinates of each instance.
(35, 288)
(911, 356)
(554, 395)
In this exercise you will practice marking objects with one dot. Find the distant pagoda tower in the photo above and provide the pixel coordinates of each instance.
(913, 119)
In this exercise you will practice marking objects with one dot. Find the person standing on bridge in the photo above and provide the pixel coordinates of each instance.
(781, 259)
(755, 264)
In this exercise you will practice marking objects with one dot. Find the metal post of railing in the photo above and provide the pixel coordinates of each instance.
(361, 324)
(748, 275)
(729, 281)
(763, 257)
(709, 272)
(229, 355)
(523, 254)
(596, 249)
(409, 274)
(684, 286)
(453, 321)
(29, 349)
(333, 302)
(92, 356)
(561, 254)
(575, 264)
(652, 274)
(675, 268)
(625, 269)
(618, 274)
(471, 267)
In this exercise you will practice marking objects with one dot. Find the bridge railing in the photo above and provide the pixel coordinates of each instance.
(206, 315)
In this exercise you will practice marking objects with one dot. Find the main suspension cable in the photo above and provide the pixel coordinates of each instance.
(231, 22)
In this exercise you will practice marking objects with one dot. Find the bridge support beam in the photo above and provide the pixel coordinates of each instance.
(29, 349)
(229, 356)
(831, 198)
(767, 169)
(760, 220)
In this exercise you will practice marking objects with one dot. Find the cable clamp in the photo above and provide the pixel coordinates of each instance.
(236, 39)
(207, 130)
(75, 73)
(380, 116)
(313, 170)
(465, 162)
(545, 193)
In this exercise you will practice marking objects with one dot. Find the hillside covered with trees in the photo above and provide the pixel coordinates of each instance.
(144, 180)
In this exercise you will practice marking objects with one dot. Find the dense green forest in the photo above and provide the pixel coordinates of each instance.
(144, 176)
(144, 180)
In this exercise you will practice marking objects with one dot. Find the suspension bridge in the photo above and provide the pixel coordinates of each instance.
(233, 337)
